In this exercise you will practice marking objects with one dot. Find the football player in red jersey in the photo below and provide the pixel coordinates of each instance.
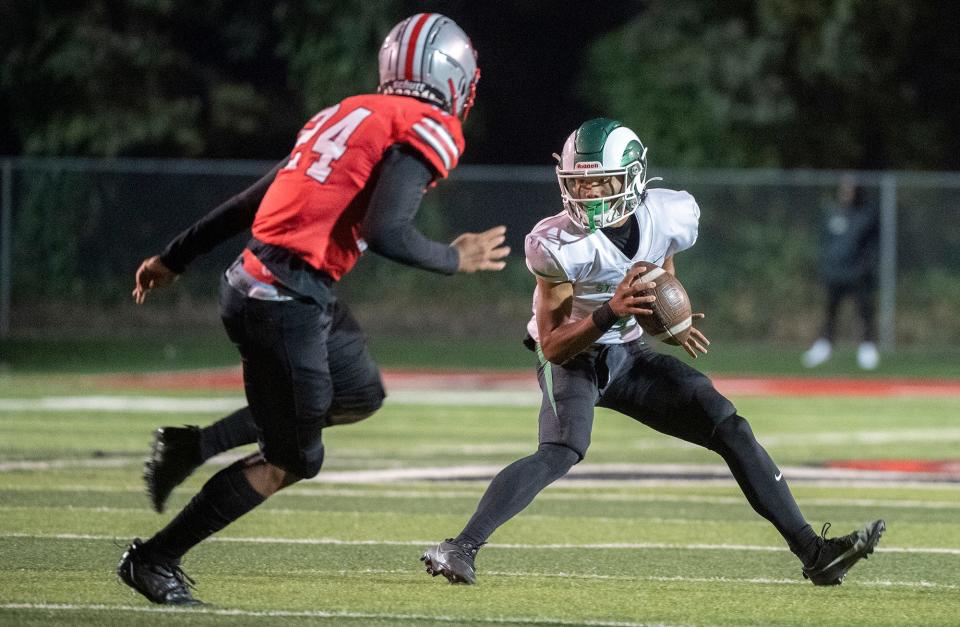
(354, 180)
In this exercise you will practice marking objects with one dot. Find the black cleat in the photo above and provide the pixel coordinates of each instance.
(161, 583)
(838, 555)
(174, 455)
(453, 560)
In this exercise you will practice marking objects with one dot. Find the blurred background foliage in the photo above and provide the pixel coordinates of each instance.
(789, 83)
(824, 84)
(793, 83)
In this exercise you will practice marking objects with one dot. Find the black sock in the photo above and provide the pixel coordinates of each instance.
(224, 498)
(227, 433)
(515, 487)
(763, 485)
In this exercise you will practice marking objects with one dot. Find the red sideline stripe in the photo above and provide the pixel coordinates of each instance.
(230, 379)
(412, 45)
(951, 467)
(785, 386)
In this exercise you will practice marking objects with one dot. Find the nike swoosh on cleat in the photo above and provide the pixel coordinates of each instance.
(864, 545)
(852, 551)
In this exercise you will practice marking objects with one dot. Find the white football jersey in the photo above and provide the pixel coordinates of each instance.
(560, 251)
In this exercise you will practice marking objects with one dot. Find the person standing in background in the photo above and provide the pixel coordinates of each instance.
(848, 262)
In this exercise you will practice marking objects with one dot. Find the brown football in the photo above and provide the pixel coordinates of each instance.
(671, 320)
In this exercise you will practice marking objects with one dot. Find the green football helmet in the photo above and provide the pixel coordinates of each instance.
(602, 173)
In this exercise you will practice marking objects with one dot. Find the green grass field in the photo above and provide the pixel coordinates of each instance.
(177, 350)
(346, 552)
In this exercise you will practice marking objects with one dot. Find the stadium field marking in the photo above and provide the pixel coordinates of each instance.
(71, 607)
(660, 578)
(876, 583)
(162, 404)
(861, 437)
(168, 404)
(418, 382)
(446, 395)
(635, 474)
(521, 546)
(545, 496)
(622, 471)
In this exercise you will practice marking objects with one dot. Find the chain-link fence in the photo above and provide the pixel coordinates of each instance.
(72, 232)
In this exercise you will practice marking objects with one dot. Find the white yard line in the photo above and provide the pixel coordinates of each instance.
(633, 474)
(663, 578)
(217, 405)
(125, 404)
(932, 434)
(670, 546)
(56, 464)
(623, 471)
(222, 404)
(169, 404)
(72, 607)
(544, 496)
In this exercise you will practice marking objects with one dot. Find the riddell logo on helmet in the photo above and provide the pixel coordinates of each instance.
(588, 165)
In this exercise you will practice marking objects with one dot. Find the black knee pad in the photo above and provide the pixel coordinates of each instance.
(304, 462)
(346, 410)
(732, 433)
(558, 458)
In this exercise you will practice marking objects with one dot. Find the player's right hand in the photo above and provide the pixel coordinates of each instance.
(151, 274)
(628, 299)
(482, 251)
(696, 342)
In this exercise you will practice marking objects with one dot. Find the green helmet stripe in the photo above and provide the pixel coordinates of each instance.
(590, 138)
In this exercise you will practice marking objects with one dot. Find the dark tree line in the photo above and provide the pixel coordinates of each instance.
(790, 83)
(795, 83)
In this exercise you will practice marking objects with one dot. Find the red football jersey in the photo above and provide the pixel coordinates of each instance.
(309, 208)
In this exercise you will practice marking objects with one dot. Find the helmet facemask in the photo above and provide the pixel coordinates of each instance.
(602, 173)
(623, 194)
(468, 101)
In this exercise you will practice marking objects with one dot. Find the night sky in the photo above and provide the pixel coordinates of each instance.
(531, 57)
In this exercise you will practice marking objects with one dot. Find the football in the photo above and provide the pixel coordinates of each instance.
(671, 320)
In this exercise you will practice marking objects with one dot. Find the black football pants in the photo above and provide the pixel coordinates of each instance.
(663, 393)
(301, 362)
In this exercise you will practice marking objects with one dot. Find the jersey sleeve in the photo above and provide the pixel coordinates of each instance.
(683, 222)
(542, 261)
(435, 136)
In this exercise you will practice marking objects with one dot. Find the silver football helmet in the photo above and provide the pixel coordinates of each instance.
(428, 56)
(602, 172)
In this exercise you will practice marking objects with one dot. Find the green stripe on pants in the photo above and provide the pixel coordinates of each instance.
(547, 377)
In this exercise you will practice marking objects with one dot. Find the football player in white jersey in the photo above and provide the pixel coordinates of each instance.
(592, 353)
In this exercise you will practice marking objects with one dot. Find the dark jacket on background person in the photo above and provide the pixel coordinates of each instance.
(850, 244)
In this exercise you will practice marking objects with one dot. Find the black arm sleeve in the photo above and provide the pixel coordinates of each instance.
(232, 217)
(388, 226)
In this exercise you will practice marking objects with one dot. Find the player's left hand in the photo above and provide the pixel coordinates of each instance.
(696, 341)
(151, 274)
(482, 251)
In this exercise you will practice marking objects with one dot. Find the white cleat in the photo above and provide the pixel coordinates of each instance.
(818, 353)
(868, 357)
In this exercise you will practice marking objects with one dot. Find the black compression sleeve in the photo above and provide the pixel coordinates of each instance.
(232, 217)
(388, 227)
